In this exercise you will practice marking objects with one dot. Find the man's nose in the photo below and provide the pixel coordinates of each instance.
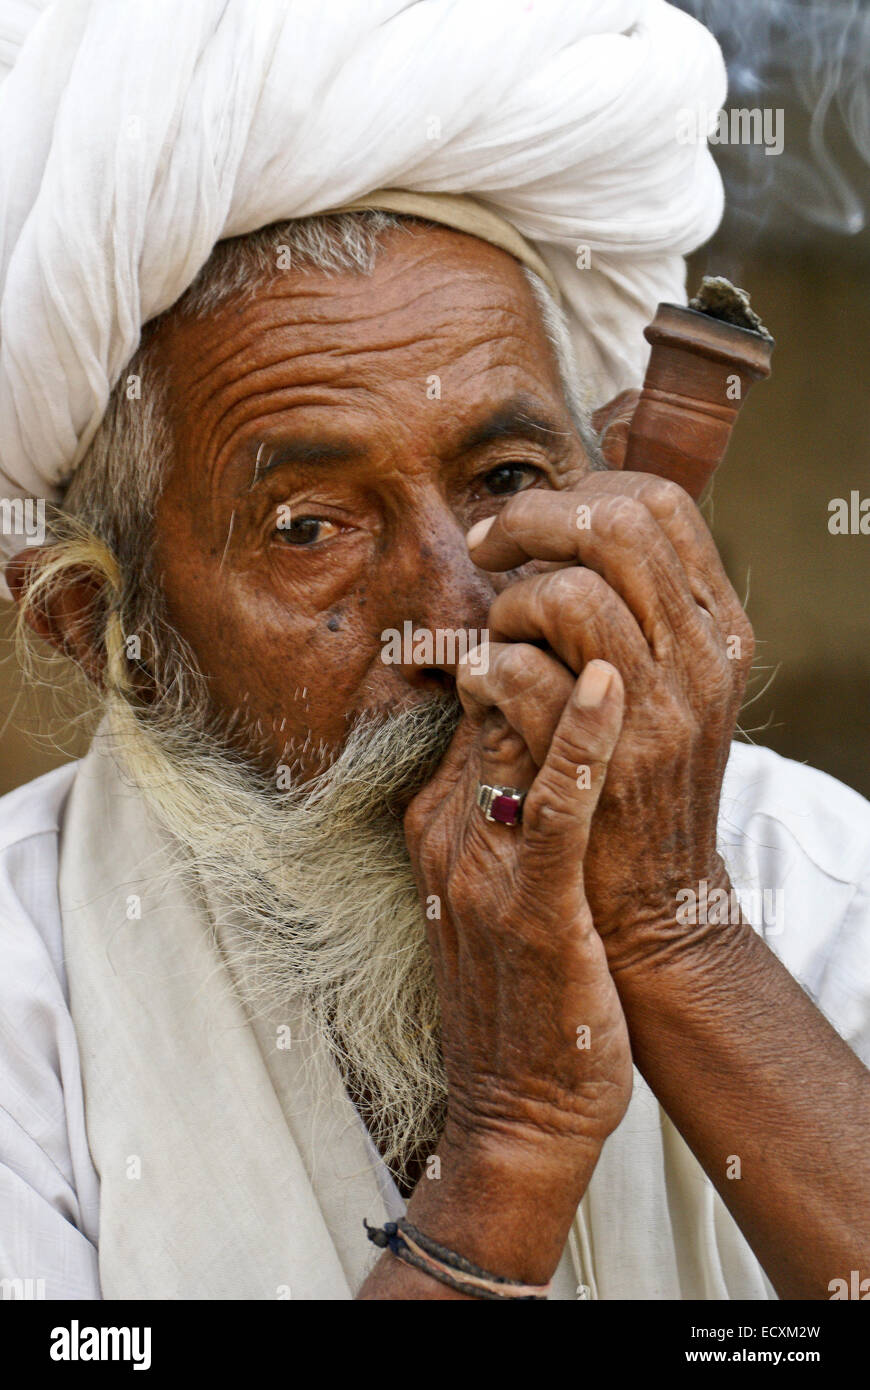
(441, 600)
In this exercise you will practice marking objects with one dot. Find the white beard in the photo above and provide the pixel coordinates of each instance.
(326, 896)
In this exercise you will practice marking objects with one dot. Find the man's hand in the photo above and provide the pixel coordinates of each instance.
(534, 1040)
(716, 1022)
(519, 966)
(643, 587)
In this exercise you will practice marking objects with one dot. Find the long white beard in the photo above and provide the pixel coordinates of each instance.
(325, 895)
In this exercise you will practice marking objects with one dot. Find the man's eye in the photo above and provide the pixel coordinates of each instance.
(510, 477)
(305, 530)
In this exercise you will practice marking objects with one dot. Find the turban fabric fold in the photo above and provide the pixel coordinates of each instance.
(134, 136)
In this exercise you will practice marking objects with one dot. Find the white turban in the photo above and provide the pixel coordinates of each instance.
(134, 136)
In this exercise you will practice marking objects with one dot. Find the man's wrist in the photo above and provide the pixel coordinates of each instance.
(505, 1204)
(705, 924)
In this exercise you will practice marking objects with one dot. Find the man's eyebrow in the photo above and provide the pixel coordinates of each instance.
(516, 419)
(296, 451)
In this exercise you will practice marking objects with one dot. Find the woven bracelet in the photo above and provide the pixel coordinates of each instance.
(414, 1248)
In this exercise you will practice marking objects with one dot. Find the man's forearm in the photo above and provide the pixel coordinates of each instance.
(747, 1068)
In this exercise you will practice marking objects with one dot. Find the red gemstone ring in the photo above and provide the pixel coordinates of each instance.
(502, 805)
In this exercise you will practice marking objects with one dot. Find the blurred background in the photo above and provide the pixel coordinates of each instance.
(796, 236)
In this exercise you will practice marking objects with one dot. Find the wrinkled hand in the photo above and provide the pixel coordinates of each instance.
(642, 587)
(533, 1036)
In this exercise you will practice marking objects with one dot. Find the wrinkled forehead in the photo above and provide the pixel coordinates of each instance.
(434, 286)
(442, 315)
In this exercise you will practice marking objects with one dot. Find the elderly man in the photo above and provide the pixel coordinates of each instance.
(326, 928)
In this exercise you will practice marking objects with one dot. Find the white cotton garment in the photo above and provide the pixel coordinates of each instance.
(156, 1144)
(135, 136)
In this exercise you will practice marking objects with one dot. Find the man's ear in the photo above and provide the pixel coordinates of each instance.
(67, 616)
(612, 423)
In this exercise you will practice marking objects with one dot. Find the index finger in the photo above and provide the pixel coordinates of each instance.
(533, 526)
(550, 526)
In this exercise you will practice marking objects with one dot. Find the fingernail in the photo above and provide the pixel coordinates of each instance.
(593, 685)
(478, 531)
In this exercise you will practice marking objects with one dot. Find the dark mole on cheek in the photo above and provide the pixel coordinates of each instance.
(334, 623)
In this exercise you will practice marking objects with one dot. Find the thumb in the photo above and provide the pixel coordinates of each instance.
(557, 814)
(452, 768)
